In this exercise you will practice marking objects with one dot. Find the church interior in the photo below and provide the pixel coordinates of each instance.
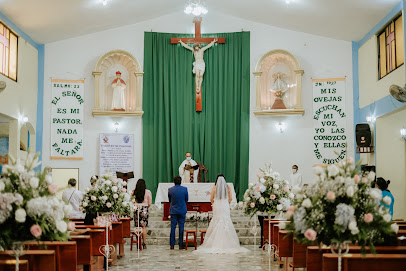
(300, 105)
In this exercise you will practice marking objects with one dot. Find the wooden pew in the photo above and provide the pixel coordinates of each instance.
(65, 253)
(266, 230)
(84, 250)
(285, 246)
(126, 227)
(298, 255)
(38, 260)
(401, 237)
(117, 239)
(9, 265)
(368, 262)
(314, 256)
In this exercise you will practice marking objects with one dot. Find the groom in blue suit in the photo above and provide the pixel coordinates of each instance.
(178, 196)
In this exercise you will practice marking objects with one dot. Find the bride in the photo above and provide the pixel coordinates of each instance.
(221, 236)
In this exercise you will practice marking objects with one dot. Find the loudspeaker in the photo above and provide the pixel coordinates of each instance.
(363, 135)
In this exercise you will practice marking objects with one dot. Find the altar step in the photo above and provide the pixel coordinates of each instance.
(159, 231)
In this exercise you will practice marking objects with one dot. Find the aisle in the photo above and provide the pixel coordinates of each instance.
(159, 258)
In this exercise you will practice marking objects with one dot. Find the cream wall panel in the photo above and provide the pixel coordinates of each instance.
(370, 88)
(391, 157)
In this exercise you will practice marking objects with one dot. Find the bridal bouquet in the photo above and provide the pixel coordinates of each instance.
(341, 207)
(107, 196)
(271, 195)
(29, 209)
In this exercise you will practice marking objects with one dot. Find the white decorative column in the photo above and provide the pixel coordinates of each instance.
(14, 138)
(138, 91)
(97, 91)
(299, 74)
(257, 90)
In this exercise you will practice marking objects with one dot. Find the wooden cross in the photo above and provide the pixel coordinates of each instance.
(197, 40)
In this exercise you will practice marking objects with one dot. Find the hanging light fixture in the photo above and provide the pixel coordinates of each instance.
(196, 8)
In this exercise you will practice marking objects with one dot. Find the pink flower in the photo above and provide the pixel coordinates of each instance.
(331, 195)
(364, 179)
(368, 218)
(289, 214)
(272, 196)
(252, 205)
(291, 208)
(258, 188)
(258, 175)
(93, 198)
(108, 204)
(36, 230)
(286, 189)
(124, 190)
(115, 196)
(71, 226)
(357, 178)
(52, 188)
(310, 234)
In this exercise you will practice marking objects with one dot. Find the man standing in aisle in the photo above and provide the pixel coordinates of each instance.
(296, 177)
(178, 197)
(189, 170)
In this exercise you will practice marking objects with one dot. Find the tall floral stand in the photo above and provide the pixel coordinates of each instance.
(340, 249)
(138, 230)
(17, 249)
(107, 250)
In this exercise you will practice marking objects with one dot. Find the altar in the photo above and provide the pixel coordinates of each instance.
(199, 197)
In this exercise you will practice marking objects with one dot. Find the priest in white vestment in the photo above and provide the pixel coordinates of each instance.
(119, 87)
(189, 170)
(296, 178)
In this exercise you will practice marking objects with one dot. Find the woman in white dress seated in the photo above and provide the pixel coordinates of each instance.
(221, 236)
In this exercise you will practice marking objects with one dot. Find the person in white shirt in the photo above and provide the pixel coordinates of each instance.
(189, 170)
(74, 198)
(296, 177)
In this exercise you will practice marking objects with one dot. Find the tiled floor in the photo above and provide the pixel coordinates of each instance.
(162, 258)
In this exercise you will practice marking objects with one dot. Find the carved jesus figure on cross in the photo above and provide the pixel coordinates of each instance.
(199, 66)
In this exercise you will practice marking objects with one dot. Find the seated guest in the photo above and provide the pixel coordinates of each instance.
(142, 195)
(90, 217)
(382, 184)
(74, 198)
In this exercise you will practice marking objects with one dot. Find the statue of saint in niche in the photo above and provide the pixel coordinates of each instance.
(119, 86)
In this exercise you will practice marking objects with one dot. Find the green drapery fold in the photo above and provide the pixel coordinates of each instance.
(218, 136)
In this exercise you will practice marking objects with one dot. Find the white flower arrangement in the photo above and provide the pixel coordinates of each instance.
(107, 196)
(29, 209)
(270, 195)
(341, 206)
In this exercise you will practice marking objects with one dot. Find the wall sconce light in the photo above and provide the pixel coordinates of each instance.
(281, 127)
(104, 2)
(370, 118)
(403, 132)
(24, 119)
(116, 126)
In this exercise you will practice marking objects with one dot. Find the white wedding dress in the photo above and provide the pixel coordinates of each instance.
(221, 236)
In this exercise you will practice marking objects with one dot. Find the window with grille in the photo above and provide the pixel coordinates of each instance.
(8, 52)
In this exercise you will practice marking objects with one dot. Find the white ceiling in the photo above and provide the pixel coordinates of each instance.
(52, 20)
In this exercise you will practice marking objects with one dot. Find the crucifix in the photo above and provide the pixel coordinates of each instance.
(199, 65)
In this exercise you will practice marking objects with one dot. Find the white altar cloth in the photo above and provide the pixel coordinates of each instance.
(198, 192)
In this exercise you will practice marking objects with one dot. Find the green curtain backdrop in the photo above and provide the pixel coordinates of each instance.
(218, 136)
